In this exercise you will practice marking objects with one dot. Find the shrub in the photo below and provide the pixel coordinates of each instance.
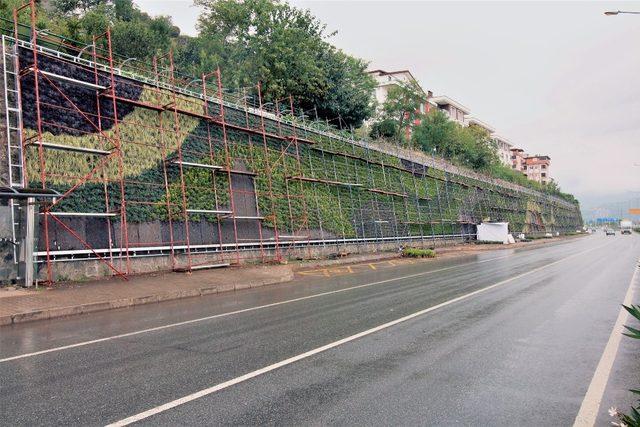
(634, 418)
(386, 128)
(418, 253)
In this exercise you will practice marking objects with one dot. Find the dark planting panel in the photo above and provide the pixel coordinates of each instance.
(58, 114)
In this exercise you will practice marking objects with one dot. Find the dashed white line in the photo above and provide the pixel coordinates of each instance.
(231, 313)
(207, 391)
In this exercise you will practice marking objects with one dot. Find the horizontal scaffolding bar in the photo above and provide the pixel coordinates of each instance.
(195, 165)
(72, 148)
(71, 80)
(94, 214)
(371, 162)
(324, 181)
(388, 193)
(239, 172)
(248, 217)
(209, 211)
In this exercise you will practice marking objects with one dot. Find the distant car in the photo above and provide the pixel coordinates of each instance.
(610, 232)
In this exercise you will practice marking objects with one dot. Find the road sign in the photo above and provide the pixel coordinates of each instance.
(606, 220)
(634, 211)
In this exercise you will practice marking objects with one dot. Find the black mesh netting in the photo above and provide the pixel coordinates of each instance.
(57, 98)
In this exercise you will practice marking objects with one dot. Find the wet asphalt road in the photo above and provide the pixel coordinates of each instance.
(522, 353)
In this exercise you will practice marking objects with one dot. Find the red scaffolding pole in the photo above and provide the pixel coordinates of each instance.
(269, 168)
(38, 74)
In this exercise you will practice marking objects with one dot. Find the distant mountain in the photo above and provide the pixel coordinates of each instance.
(609, 205)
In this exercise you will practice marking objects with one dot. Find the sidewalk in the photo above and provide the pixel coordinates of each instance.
(25, 305)
(22, 305)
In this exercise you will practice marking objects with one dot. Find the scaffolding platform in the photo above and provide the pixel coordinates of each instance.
(70, 80)
(209, 211)
(387, 193)
(238, 172)
(195, 165)
(324, 181)
(82, 214)
(72, 148)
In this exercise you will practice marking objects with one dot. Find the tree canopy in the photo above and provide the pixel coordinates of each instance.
(469, 146)
(284, 48)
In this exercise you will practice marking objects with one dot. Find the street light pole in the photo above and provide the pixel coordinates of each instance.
(618, 12)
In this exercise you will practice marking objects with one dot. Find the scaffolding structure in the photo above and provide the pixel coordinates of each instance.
(148, 166)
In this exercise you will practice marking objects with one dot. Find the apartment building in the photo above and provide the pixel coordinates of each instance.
(451, 108)
(475, 122)
(534, 167)
(537, 168)
(503, 147)
(387, 79)
(517, 159)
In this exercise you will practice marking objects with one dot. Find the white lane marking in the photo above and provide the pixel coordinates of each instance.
(207, 391)
(244, 310)
(591, 404)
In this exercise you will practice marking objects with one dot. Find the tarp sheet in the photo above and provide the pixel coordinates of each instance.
(493, 232)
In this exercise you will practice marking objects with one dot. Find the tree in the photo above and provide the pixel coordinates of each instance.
(73, 7)
(479, 151)
(404, 103)
(437, 133)
(468, 146)
(285, 49)
(349, 94)
(134, 33)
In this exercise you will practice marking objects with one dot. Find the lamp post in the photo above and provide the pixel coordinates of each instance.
(83, 49)
(192, 82)
(618, 12)
(125, 61)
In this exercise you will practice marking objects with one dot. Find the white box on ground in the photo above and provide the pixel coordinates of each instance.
(493, 232)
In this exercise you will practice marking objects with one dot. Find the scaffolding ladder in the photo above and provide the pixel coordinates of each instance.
(13, 122)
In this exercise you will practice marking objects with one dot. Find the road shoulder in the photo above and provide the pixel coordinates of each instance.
(21, 305)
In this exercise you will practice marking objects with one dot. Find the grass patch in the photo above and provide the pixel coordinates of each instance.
(418, 253)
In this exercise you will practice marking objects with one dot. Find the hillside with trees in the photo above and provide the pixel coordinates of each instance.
(285, 48)
(436, 135)
(289, 52)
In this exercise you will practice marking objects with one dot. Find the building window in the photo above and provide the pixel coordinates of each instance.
(544, 174)
(544, 166)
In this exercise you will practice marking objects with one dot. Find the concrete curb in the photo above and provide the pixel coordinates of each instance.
(285, 276)
(57, 312)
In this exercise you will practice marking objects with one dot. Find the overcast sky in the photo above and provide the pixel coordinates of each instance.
(554, 78)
